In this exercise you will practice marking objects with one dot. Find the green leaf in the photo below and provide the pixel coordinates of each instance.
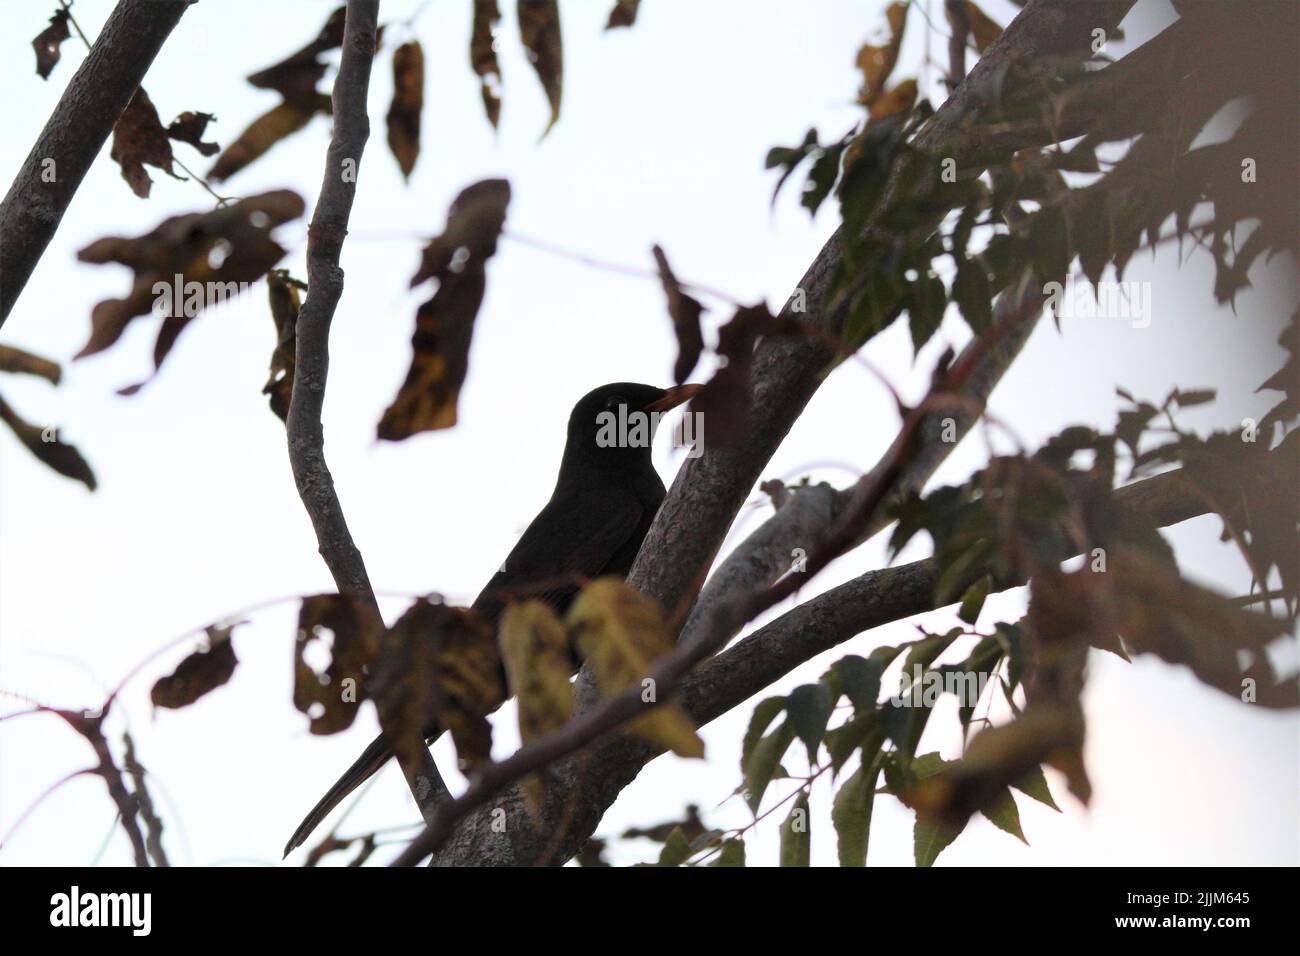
(809, 712)
(1197, 396)
(821, 178)
(1035, 785)
(929, 839)
(860, 679)
(851, 814)
(762, 718)
(861, 731)
(763, 762)
(676, 849)
(974, 295)
(796, 834)
(973, 600)
(732, 854)
(927, 299)
(1005, 815)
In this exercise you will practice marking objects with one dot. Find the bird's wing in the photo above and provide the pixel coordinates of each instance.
(573, 537)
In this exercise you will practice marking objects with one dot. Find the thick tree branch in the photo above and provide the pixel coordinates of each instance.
(75, 133)
(306, 436)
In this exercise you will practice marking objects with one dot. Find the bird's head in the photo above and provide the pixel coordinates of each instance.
(616, 422)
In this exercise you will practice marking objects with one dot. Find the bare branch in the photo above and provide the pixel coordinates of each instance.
(329, 226)
(75, 133)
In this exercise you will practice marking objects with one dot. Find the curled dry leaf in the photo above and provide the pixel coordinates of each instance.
(139, 138)
(48, 42)
(284, 293)
(280, 121)
(439, 669)
(189, 127)
(444, 325)
(724, 400)
(877, 62)
(408, 102)
(483, 56)
(539, 28)
(25, 363)
(330, 697)
(620, 632)
(202, 672)
(623, 14)
(44, 443)
(535, 648)
(685, 313)
(188, 263)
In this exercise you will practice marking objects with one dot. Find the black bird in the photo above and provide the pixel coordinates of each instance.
(605, 498)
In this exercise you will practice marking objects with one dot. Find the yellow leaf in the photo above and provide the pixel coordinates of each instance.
(535, 647)
(620, 633)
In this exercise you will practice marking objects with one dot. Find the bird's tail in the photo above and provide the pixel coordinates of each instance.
(374, 757)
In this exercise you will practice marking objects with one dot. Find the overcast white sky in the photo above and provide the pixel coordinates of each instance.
(662, 139)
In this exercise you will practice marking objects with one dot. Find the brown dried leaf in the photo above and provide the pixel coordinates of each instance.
(623, 14)
(539, 28)
(685, 313)
(44, 443)
(408, 101)
(1158, 612)
(139, 138)
(331, 697)
(283, 291)
(264, 132)
(877, 62)
(483, 56)
(47, 43)
(16, 360)
(620, 632)
(183, 246)
(444, 325)
(899, 99)
(189, 128)
(984, 31)
(295, 77)
(439, 668)
(202, 672)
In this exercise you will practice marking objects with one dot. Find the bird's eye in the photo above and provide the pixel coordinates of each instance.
(614, 401)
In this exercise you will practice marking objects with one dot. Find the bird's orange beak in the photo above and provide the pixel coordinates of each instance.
(677, 395)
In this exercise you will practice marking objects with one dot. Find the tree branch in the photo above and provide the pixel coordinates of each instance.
(709, 490)
(306, 437)
(75, 133)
